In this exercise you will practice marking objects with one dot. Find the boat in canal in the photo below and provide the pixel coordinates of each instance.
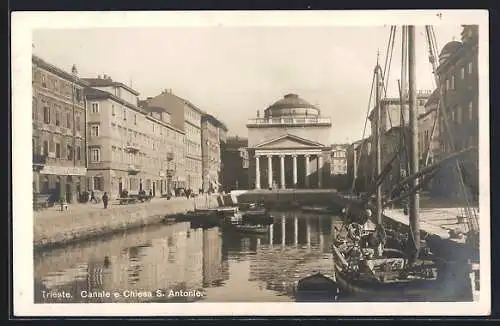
(363, 262)
(252, 229)
(320, 209)
(316, 288)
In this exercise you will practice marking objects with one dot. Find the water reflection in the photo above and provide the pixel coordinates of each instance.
(222, 264)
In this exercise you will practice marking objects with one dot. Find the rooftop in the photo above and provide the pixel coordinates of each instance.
(291, 104)
(106, 81)
(58, 71)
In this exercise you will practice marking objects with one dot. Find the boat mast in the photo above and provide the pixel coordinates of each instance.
(414, 155)
(378, 92)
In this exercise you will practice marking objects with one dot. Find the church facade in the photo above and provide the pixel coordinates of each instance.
(288, 147)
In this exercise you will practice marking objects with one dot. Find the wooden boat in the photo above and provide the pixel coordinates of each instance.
(387, 277)
(319, 209)
(316, 287)
(246, 228)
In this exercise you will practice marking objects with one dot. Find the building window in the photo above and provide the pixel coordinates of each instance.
(452, 86)
(77, 123)
(112, 109)
(98, 184)
(447, 84)
(46, 148)
(58, 118)
(78, 153)
(469, 68)
(46, 114)
(68, 119)
(453, 115)
(124, 114)
(95, 107)
(95, 154)
(135, 119)
(462, 73)
(58, 150)
(94, 130)
(470, 111)
(44, 81)
(69, 151)
(34, 112)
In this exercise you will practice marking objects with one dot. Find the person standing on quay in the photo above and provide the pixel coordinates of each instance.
(105, 200)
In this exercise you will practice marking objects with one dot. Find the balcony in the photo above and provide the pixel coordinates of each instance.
(289, 121)
(39, 159)
(133, 168)
(132, 147)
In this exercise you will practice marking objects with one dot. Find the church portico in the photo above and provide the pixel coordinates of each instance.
(288, 169)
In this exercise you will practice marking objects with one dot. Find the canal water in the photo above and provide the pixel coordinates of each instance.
(179, 263)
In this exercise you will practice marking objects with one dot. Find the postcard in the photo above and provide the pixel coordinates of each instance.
(211, 163)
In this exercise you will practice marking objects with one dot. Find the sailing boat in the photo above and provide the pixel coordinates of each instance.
(363, 264)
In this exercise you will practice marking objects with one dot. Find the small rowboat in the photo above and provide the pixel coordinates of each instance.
(316, 287)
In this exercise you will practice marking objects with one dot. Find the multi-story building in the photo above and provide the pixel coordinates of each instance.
(286, 145)
(360, 164)
(428, 130)
(127, 145)
(170, 151)
(338, 167)
(212, 135)
(235, 164)
(459, 87)
(58, 134)
(187, 117)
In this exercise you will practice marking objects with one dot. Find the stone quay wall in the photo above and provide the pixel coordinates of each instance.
(62, 228)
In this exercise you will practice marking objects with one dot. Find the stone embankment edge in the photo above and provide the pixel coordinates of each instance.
(64, 230)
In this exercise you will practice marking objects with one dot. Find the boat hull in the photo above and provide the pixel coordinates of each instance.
(371, 290)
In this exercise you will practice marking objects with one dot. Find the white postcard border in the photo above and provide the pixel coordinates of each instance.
(23, 23)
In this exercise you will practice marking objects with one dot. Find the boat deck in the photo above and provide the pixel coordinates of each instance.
(434, 221)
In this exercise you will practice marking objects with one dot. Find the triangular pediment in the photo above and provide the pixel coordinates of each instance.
(289, 141)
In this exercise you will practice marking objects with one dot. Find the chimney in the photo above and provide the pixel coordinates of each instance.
(99, 77)
(105, 76)
(74, 70)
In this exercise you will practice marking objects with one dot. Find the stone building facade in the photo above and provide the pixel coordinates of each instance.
(235, 162)
(58, 133)
(187, 117)
(286, 146)
(459, 87)
(129, 147)
(338, 167)
(213, 134)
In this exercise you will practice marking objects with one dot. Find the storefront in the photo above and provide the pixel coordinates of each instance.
(61, 183)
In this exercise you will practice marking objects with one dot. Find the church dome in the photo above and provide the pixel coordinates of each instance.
(291, 104)
(448, 50)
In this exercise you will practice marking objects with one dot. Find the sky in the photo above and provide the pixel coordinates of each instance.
(233, 72)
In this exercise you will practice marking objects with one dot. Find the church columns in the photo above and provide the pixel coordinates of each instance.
(282, 170)
(270, 171)
(285, 172)
(257, 171)
(294, 157)
(320, 171)
(307, 170)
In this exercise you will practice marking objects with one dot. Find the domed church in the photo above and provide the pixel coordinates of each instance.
(288, 147)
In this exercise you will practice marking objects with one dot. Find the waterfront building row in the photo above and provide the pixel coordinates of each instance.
(93, 134)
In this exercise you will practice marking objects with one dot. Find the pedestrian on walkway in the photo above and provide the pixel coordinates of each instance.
(105, 200)
(92, 197)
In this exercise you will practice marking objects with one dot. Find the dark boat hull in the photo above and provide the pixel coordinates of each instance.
(316, 288)
(418, 290)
